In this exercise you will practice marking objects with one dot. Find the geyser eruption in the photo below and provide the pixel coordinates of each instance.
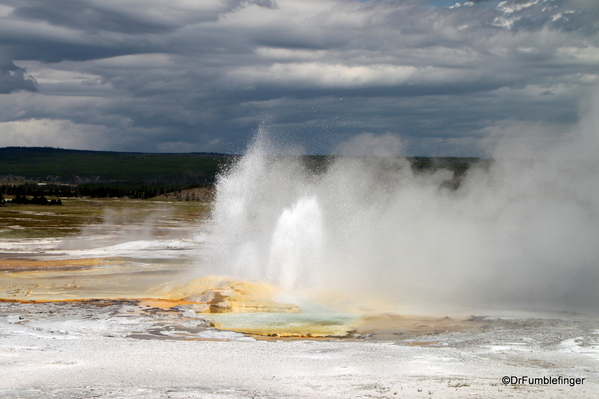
(296, 242)
(522, 233)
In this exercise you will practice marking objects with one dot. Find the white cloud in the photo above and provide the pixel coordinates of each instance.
(510, 7)
(291, 54)
(313, 74)
(54, 76)
(5, 10)
(53, 133)
(135, 61)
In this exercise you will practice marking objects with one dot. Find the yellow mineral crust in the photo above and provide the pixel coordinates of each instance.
(219, 294)
(301, 325)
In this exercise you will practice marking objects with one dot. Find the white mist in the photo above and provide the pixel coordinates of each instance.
(522, 235)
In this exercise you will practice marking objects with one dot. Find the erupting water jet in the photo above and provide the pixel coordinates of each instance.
(520, 234)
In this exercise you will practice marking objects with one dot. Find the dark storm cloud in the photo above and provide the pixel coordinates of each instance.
(13, 78)
(87, 16)
(183, 76)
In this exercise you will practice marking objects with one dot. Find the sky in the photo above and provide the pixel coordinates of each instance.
(445, 78)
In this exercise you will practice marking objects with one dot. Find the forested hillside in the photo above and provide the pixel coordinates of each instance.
(40, 172)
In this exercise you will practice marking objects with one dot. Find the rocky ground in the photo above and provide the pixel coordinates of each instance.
(134, 349)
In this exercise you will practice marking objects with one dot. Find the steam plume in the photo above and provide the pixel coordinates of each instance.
(522, 234)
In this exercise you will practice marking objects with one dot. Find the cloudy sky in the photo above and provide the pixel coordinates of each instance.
(445, 78)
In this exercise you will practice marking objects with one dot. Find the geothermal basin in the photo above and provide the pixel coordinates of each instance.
(113, 299)
(357, 277)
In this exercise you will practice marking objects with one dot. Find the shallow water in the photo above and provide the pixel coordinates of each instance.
(96, 248)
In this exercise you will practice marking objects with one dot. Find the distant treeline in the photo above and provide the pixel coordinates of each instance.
(130, 191)
(419, 165)
(458, 165)
(88, 190)
(22, 200)
(18, 164)
(76, 173)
